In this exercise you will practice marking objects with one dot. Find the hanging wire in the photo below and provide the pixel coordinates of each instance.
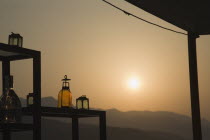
(129, 14)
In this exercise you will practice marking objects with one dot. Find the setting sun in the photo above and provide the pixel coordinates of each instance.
(133, 83)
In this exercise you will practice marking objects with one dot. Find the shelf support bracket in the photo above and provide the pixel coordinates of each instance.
(5, 71)
(102, 125)
(75, 128)
(37, 97)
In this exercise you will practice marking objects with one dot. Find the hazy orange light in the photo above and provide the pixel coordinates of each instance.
(133, 83)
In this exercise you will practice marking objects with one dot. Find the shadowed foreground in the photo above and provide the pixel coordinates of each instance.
(57, 130)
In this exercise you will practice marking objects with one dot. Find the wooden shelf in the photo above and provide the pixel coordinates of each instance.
(11, 53)
(15, 127)
(64, 112)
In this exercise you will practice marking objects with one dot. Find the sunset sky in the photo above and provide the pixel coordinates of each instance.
(103, 51)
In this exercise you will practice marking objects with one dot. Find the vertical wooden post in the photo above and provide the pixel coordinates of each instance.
(37, 97)
(75, 128)
(5, 71)
(102, 124)
(194, 90)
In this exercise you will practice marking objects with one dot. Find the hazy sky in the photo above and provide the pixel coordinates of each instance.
(100, 48)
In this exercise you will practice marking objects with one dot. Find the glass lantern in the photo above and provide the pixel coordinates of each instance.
(30, 99)
(15, 40)
(82, 102)
(65, 95)
(10, 103)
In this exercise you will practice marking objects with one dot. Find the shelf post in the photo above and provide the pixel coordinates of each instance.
(102, 125)
(5, 71)
(75, 128)
(194, 90)
(37, 97)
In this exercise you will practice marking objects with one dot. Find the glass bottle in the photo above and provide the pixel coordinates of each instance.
(10, 103)
(65, 95)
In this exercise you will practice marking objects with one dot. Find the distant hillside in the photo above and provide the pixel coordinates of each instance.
(160, 121)
(154, 121)
(57, 130)
(46, 101)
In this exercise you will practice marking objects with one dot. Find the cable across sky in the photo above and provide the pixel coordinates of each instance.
(130, 14)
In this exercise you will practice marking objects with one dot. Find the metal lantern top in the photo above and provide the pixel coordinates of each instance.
(83, 97)
(65, 82)
(15, 39)
(65, 78)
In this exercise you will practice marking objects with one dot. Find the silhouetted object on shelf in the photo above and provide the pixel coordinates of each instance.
(10, 103)
(82, 102)
(16, 40)
(30, 100)
(65, 95)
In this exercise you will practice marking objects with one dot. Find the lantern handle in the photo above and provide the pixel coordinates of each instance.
(65, 78)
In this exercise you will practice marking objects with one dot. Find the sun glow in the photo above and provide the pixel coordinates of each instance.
(133, 83)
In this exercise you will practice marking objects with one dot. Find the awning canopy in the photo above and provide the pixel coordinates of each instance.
(189, 15)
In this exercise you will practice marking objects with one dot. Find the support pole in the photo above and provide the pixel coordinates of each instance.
(37, 97)
(5, 72)
(194, 90)
(102, 124)
(75, 128)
